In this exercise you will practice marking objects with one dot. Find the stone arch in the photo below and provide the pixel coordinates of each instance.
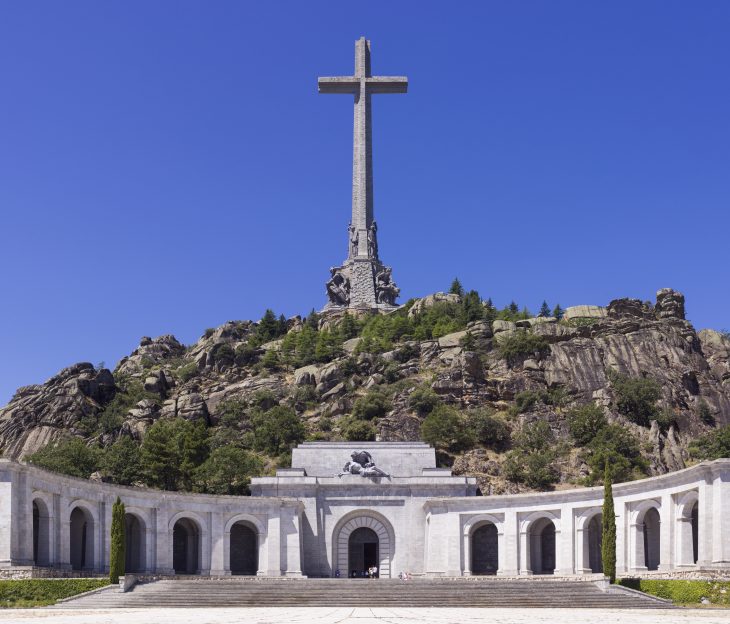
(43, 543)
(541, 531)
(363, 519)
(82, 532)
(487, 547)
(186, 543)
(646, 522)
(136, 542)
(589, 527)
(244, 553)
(687, 535)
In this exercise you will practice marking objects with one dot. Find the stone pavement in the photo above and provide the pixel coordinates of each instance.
(346, 615)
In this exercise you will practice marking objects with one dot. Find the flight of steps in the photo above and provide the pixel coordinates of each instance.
(365, 593)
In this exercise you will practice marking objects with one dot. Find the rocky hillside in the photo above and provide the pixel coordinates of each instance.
(516, 372)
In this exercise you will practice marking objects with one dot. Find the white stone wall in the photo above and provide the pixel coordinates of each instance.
(425, 523)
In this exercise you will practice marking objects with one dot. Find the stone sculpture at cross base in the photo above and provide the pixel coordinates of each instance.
(362, 281)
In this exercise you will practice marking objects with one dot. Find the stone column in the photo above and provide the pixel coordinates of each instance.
(721, 520)
(666, 533)
(437, 560)
(705, 523)
(565, 543)
(524, 565)
(6, 521)
(220, 543)
(622, 564)
(273, 531)
(64, 538)
(163, 542)
(509, 545)
(291, 540)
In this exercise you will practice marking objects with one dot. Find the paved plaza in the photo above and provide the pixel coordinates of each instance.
(361, 615)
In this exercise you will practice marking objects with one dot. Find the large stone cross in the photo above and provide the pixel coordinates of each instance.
(362, 85)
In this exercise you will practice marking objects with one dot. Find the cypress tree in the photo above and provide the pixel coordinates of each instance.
(119, 542)
(608, 537)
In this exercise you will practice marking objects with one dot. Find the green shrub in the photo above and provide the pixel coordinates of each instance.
(359, 431)
(636, 397)
(522, 344)
(223, 354)
(171, 451)
(228, 470)
(488, 429)
(444, 429)
(585, 422)
(525, 401)
(277, 430)
(118, 553)
(373, 405)
(120, 461)
(712, 445)
(246, 354)
(705, 413)
(682, 591)
(187, 372)
(70, 456)
(423, 400)
(532, 460)
(43, 592)
(618, 447)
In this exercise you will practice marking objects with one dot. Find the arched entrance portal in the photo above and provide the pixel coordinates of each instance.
(542, 546)
(651, 539)
(694, 524)
(595, 539)
(244, 549)
(484, 549)
(135, 538)
(384, 549)
(363, 552)
(81, 538)
(185, 547)
(41, 534)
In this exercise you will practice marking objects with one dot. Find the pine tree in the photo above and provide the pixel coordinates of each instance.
(608, 537)
(558, 312)
(544, 310)
(456, 288)
(514, 308)
(119, 542)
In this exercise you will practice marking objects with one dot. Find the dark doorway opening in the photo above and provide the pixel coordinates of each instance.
(185, 544)
(244, 550)
(363, 552)
(484, 550)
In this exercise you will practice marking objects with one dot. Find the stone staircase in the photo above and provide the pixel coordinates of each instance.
(465, 592)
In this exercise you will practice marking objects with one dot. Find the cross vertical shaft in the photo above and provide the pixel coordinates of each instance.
(363, 281)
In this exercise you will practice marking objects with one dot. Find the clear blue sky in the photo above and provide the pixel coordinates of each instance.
(168, 166)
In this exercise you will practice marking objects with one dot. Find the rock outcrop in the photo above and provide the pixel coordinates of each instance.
(464, 368)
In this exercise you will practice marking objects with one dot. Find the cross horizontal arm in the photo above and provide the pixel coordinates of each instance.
(387, 84)
(338, 84)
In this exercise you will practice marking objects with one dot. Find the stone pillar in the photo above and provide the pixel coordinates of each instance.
(220, 560)
(437, 548)
(6, 520)
(565, 543)
(150, 555)
(666, 533)
(163, 542)
(636, 545)
(705, 523)
(291, 546)
(622, 529)
(524, 565)
(64, 538)
(721, 520)
(509, 545)
(273, 559)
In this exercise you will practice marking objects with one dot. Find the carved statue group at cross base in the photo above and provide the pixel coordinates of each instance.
(361, 463)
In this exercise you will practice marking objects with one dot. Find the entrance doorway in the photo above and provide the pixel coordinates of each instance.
(244, 550)
(484, 550)
(542, 547)
(363, 552)
(185, 546)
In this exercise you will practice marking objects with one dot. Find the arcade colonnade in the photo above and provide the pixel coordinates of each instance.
(675, 522)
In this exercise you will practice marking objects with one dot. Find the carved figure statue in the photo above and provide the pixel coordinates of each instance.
(386, 291)
(362, 463)
(354, 239)
(373, 240)
(338, 288)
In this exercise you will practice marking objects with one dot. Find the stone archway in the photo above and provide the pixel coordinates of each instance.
(541, 540)
(81, 539)
(385, 541)
(485, 549)
(244, 549)
(186, 546)
(593, 537)
(651, 537)
(41, 533)
(363, 549)
(687, 538)
(135, 530)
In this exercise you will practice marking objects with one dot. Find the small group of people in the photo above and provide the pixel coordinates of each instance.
(404, 576)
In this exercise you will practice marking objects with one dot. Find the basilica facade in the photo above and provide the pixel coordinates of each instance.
(345, 508)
